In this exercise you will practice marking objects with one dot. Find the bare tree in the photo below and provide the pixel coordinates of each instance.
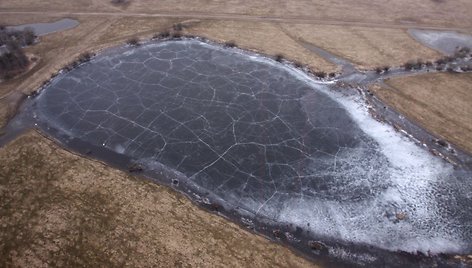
(409, 65)
(279, 57)
(164, 34)
(12, 58)
(320, 74)
(29, 36)
(133, 41)
(178, 27)
(230, 43)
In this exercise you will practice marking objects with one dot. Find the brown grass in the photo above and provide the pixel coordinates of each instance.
(366, 47)
(266, 38)
(9, 106)
(59, 209)
(441, 103)
(448, 13)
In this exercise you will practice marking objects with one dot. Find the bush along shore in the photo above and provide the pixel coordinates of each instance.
(460, 61)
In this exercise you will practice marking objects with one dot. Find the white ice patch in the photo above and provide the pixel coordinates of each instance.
(343, 254)
(413, 172)
(119, 149)
(76, 79)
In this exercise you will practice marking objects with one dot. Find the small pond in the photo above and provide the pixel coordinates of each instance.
(445, 42)
(45, 28)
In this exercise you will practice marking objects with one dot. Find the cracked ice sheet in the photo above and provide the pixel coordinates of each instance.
(265, 138)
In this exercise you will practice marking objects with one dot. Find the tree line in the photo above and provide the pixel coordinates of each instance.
(13, 59)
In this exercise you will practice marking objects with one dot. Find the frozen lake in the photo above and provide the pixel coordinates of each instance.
(264, 140)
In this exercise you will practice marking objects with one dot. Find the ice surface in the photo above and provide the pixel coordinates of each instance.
(444, 41)
(265, 138)
(41, 29)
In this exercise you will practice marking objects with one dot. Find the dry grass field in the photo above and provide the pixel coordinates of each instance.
(428, 12)
(267, 38)
(441, 103)
(59, 209)
(366, 47)
(9, 106)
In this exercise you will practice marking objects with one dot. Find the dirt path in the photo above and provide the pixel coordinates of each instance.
(228, 16)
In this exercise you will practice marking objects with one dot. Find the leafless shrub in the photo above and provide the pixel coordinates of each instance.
(84, 57)
(133, 41)
(440, 61)
(279, 57)
(161, 35)
(13, 61)
(29, 36)
(317, 246)
(419, 64)
(466, 68)
(230, 44)
(409, 65)
(461, 52)
(449, 59)
(176, 35)
(23, 37)
(178, 27)
(441, 142)
(297, 64)
(320, 74)
(189, 36)
(135, 168)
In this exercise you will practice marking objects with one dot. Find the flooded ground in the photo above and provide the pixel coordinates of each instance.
(445, 42)
(263, 144)
(41, 29)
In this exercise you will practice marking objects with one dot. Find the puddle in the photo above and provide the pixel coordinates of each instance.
(266, 145)
(445, 42)
(41, 29)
